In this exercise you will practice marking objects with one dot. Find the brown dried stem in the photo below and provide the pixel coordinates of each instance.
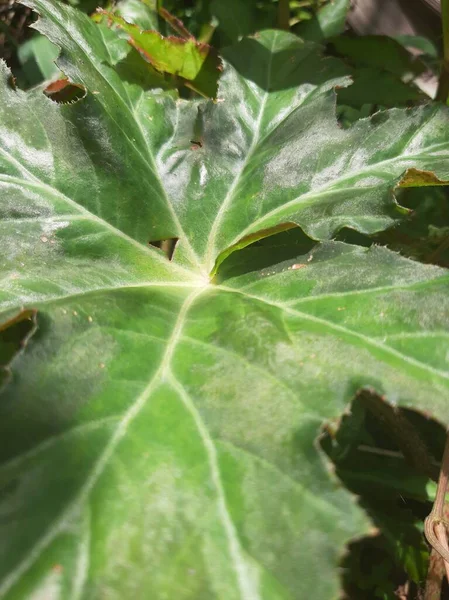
(435, 529)
(443, 84)
(284, 15)
(435, 576)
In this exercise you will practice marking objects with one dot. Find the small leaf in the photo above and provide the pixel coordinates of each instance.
(328, 22)
(187, 58)
(237, 19)
(423, 44)
(377, 51)
(37, 57)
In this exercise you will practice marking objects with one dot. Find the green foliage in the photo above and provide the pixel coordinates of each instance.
(372, 464)
(143, 14)
(186, 58)
(159, 418)
(377, 51)
(328, 21)
(37, 57)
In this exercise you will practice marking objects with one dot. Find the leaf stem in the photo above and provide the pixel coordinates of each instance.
(435, 574)
(435, 529)
(443, 84)
(284, 14)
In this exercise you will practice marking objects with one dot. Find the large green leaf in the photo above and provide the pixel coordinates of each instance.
(130, 444)
(158, 431)
(284, 160)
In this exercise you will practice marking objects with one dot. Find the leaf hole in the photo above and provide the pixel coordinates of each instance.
(64, 91)
(265, 253)
(167, 246)
(15, 334)
(423, 235)
(389, 458)
(196, 144)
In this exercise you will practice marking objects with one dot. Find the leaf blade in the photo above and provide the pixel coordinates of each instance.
(163, 420)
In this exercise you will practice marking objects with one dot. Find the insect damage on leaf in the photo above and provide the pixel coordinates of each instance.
(63, 91)
(166, 246)
(419, 178)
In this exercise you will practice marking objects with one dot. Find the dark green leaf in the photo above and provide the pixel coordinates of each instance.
(328, 22)
(37, 57)
(418, 42)
(379, 88)
(377, 51)
(237, 19)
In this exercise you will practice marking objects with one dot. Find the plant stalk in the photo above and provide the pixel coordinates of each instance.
(435, 575)
(435, 529)
(284, 14)
(443, 84)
